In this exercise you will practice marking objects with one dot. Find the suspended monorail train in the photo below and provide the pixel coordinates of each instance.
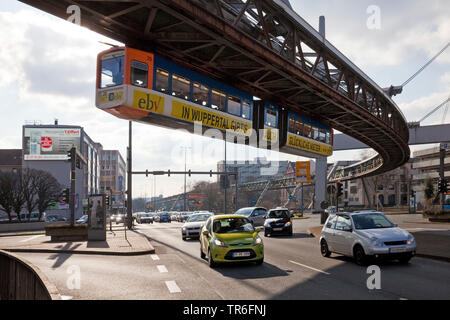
(145, 87)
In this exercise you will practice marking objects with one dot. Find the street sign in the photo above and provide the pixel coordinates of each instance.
(303, 172)
(445, 145)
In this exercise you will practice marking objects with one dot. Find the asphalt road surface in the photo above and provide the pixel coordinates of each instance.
(293, 269)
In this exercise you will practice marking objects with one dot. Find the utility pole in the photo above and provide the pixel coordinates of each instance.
(129, 180)
(73, 153)
(184, 195)
(226, 179)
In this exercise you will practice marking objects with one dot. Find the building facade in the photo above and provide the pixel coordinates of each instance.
(259, 169)
(45, 148)
(10, 160)
(113, 177)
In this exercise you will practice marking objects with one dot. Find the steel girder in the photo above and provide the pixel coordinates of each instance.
(265, 48)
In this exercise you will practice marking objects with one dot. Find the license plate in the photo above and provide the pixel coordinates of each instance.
(395, 250)
(241, 254)
(277, 229)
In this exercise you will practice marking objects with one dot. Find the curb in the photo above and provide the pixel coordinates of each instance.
(22, 234)
(100, 253)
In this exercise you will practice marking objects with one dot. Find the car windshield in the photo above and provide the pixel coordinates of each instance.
(232, 225)
(244, 212)
(371, 221)
(198, 217)
(279, 214)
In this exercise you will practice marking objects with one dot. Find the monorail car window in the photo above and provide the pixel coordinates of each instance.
(270, 118)
(218, 100)
(201, 94)
(307, 131)
(234, 106)
(315, 133)
(291, 125)
(112, 69)
(327, 138)
(322, 136)
(162, 81)
(246, 109)
(181, 87)
(299, 128)
(139, 74)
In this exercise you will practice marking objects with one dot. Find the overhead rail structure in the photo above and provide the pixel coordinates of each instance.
(264, 48)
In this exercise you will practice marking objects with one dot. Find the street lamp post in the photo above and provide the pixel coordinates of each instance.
(184, 195)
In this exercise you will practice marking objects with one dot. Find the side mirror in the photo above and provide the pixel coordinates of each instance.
(259, 229)
(205, 232)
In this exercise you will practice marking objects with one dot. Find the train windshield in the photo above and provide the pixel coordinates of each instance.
(112, 67)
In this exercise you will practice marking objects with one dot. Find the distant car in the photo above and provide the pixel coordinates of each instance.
(230, 238)
(164, 217)
(83, 219)
(183, 216)
(118, 218)
(193, 225)
(33, 218)
(278, 221)
(144, 218)
(256, 215)
(55, 218)
(330, 210)
(365, 235)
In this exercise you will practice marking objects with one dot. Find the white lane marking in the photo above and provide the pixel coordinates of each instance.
(162, 268)
(66, 297)
(32, 238)
(154, 257)
(172, 286)
(297, 263)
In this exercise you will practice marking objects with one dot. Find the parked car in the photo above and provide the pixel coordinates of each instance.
(34, 217)
(83, 219)
(164, 217)
(256, 215)
(143, 217)
(278, 221)
(365, 235)
(231, 238)
(193, 225)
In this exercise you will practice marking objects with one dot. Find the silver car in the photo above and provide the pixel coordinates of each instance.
(194, 224)
(365, 235)
(257, 215)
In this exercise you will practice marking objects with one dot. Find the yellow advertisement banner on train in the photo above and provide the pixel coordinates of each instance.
(109, 96)
(148, 102)
(309, 145)
(209, 118)
(270, 135)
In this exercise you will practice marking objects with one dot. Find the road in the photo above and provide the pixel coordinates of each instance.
(293, 269)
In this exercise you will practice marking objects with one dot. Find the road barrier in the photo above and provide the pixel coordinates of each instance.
(21, 280)
(24, 226)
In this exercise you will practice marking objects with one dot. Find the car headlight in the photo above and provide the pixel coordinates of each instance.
(410, 239)
(184, 228)
(219, 243)
(376, 242)
(287, 224)
(257, 241)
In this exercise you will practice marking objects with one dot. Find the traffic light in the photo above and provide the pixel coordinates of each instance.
(443, 185)
(107, 201)
(78, 163)
(413, 193)
(339, 189)
(66, 195)
(70, 155)
(224, 182)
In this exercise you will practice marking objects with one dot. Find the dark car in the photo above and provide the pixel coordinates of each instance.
(144, 218)
(164, 217)
(278, 221)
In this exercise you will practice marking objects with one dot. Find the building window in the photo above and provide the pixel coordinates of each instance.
(181, 87)
(139, 74)
(162, 80)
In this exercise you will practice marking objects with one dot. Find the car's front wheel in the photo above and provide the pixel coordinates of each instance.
(324, 249)
(360, 256)
(211, 262)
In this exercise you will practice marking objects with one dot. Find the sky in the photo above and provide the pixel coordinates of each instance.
(47, 72)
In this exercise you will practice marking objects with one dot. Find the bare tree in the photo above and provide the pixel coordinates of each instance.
(18, 198)
(29, 180)
(7, 181)
(48, 190)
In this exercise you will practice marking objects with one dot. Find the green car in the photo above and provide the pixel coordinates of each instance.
(230, 238)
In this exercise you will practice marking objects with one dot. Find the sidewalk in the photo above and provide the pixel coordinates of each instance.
(432, 244)
(115, 244)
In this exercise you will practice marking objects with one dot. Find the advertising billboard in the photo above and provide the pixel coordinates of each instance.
(303, 172)
(49, 143)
